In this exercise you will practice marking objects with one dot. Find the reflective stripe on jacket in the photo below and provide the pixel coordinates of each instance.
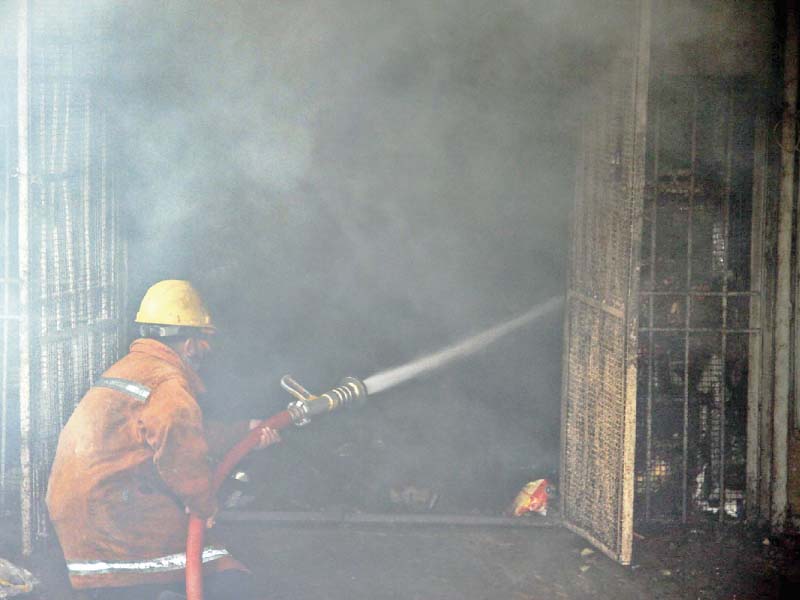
(159, 564)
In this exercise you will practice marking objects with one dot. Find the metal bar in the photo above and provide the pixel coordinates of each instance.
(69, 248)
(699, 330)
(114, 250)
(72, 286)
(703, 294)
(641, 81)
(688, 317)
(767, 349)
(674, 400)
(796, 349)
(69, 244)
(106, 242)
(23, 186)
(757, 224)
(7, 282)
(87, 219)
(42, 388)
(61, 370)
(43, 375)
(783, 300)
(118, 253)
(52, 210)
(105, 311)
(726, 207)
(54, 141)
(47, 291)
(768, 337)
(124, 294)
(651, 320)
(72, 295)
(65, 137)
(343, 518)
(572, 254)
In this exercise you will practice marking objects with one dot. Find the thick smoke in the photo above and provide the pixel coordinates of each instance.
(356, 183)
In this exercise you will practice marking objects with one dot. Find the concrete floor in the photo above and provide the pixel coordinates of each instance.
(427, 563)
(355, 562)
(380, 562)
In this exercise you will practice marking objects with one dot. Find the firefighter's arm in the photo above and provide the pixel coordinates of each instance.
(222, 436)
(172, 425)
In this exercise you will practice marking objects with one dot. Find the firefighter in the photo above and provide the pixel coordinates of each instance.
(134, 460)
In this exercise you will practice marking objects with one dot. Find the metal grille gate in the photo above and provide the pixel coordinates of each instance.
(9, 309)
(699, 303)
(599, 395)
(72, 239)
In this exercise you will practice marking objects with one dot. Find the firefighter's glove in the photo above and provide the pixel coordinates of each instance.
(210, 521)
(269, 436)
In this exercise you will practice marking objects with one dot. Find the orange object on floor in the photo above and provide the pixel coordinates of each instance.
(532, 498)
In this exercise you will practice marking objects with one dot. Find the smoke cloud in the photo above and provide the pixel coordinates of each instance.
(356, 183)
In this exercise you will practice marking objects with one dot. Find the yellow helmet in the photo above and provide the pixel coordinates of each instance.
(174, 302)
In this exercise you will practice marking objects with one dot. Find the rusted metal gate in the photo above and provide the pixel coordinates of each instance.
(601, 329)
(701, 301)
(62, 264)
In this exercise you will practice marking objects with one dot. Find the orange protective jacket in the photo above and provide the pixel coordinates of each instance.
(127, 467)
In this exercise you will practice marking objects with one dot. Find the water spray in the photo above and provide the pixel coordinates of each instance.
(397, 375)
(351, 393)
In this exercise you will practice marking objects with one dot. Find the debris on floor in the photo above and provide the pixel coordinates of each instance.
(413, 498)
(532, 498)
(15, 580)
(709, 561)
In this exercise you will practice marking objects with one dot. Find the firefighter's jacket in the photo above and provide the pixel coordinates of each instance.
(131, 458)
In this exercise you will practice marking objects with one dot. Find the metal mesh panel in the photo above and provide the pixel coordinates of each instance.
(73, 240)
(599, 378)
(602, 218)
(595, 423)
(696, 302)
(662, 419)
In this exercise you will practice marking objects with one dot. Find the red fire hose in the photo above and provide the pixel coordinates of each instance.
(351, 392)
(197, 526)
